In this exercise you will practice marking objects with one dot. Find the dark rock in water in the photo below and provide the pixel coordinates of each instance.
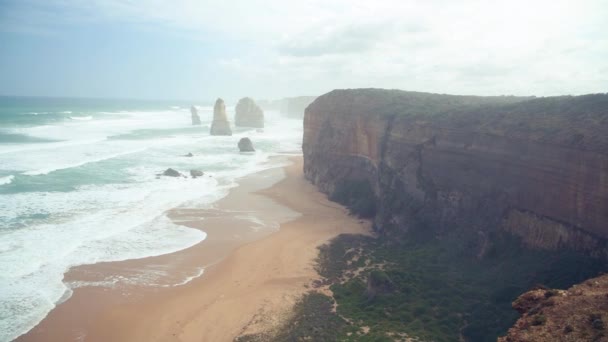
(196, 120)
(220, 124)
(196, 173)
(248, 114)
(245, 145)
(189, 155)
(171, 173)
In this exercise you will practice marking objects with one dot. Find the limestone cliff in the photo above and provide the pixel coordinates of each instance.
(248, 114)
(577, 314)
(220, 124)
(468, 166)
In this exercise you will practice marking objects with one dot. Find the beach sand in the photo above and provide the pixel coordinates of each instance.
(254, 270)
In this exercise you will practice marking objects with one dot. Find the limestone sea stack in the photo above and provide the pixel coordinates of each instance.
(245, 145)
(248, 114)
(220, 124)
(196, 120)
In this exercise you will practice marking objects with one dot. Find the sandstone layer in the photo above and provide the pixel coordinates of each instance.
(468, 166)
(220, 124)
(248, 114)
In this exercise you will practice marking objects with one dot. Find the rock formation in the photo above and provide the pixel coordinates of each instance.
(294, 106)
(196, 173)
(466, 166)
(248, 114)
(220, 124)
(171, 173)
(245, 145)
(196, 120)
(577, 314)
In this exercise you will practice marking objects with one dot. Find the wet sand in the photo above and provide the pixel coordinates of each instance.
(258, 259)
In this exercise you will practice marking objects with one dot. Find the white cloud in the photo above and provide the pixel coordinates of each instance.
(472, 46)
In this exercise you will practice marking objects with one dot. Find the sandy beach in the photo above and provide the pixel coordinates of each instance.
(258, 259)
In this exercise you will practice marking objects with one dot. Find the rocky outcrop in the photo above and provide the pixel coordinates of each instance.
(248, 114)
(577, 314)
(172, 173)
(196, 173)
(245, 145)
(468, 166)
(220, 124)
(196, 120)
(294, 106)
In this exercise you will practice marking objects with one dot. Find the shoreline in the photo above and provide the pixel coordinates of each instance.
(252, 270)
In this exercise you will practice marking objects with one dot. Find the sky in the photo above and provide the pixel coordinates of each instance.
(188, 49)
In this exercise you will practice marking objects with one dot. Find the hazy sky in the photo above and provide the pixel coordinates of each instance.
(272, 48)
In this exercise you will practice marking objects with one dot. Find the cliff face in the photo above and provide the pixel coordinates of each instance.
(471, 166)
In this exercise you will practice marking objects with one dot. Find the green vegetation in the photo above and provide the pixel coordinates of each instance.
(357, 195)
(436, 292)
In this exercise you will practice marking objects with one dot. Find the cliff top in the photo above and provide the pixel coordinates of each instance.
(572, 121)
(577, 314)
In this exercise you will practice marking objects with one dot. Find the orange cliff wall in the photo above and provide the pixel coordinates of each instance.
(474, 166)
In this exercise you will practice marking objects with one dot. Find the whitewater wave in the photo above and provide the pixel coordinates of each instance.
(48, 170)
(81, 118)
(6, 180)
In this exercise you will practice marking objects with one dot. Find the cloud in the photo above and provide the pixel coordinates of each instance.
(470, 46)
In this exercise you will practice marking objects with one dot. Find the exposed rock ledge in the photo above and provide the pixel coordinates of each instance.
(577, 314)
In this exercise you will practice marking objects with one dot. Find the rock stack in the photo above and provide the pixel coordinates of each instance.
(248, 114)
(220, 124)
(196, 120)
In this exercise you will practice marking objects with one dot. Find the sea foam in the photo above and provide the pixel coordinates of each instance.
(111, 204)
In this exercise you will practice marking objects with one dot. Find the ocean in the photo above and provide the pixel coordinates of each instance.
(79, 185)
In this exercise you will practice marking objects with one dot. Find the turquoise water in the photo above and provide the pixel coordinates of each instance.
(79, 185)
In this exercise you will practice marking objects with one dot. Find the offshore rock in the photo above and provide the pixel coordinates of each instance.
(248, 114)
(196, 120)
(245, 145)
(220, 124)
(196, 173)
(172, 173)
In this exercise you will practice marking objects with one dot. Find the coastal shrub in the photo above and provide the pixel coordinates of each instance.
(596, 321)
(438, 293)
(539, 319)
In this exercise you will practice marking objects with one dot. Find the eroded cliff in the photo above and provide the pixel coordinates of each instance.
(468, 166)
